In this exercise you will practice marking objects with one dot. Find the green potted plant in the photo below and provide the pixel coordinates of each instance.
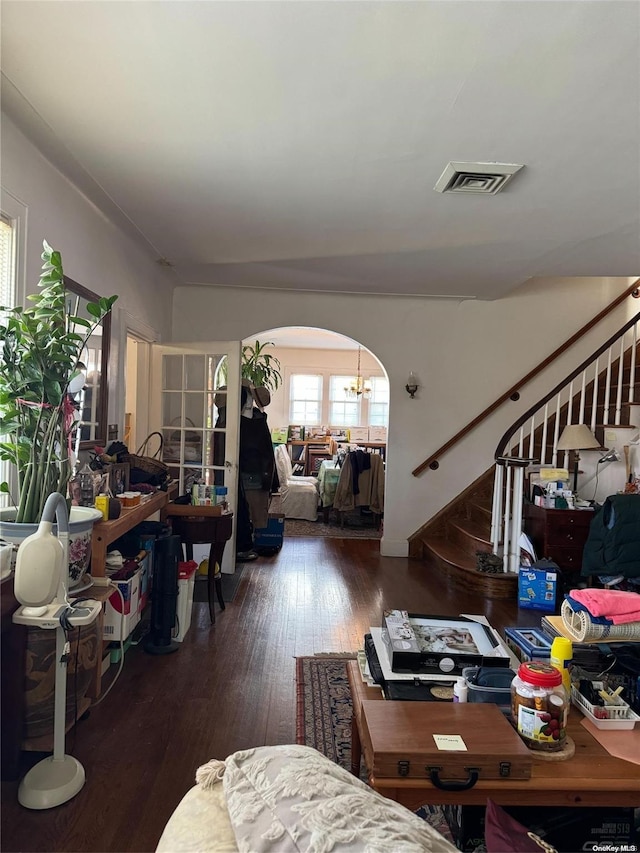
(40, 354)
(261, 368)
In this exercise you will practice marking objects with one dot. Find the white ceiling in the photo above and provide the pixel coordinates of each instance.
(296, 144)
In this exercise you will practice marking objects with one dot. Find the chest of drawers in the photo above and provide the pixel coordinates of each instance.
(559, 534)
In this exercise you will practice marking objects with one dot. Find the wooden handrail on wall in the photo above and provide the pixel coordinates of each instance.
(513, 392)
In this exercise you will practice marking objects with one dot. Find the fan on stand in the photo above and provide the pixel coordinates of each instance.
(41, 583)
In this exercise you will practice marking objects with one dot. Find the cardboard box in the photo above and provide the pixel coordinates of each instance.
(145, 582)
(377, 433)
(419, 643)
(537, 589)
(279, 436)
(119, 623)
(357, 434)
(528, 643)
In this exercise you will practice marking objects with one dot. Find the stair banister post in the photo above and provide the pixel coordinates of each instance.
(496, 507)
(516, 519)
(506, 524)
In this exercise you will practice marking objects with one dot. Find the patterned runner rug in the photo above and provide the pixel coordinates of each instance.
(323, 718)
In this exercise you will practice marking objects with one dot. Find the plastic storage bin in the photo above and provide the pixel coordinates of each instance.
(184, 606)
(619, 714)
(489, 684)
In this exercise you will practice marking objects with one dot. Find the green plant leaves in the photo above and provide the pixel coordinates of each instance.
(40, 350)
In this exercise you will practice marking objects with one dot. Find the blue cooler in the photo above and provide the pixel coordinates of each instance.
(268, 540)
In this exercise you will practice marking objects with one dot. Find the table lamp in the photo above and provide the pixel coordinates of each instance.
(577, 437)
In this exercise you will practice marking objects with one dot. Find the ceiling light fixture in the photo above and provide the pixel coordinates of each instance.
(477, 178)
(357, 387)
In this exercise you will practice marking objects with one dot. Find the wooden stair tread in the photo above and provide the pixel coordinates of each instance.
(450, 553)
(461, 569)
(472, 528)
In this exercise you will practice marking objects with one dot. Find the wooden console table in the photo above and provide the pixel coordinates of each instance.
(106, 532)
(591, 777)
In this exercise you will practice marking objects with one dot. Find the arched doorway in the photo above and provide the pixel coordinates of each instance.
(319, 371)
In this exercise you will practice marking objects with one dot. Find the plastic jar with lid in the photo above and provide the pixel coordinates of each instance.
(539, 706)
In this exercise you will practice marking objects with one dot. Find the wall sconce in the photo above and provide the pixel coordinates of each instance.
(412, 385)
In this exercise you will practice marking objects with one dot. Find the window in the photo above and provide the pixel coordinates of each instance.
(7, 298)
(343, 410)
(379, 401)
(305, 399)
(7, 262)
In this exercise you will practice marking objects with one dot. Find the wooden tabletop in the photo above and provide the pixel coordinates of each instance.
(592, 777)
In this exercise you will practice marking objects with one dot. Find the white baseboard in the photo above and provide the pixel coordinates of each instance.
(394, 547)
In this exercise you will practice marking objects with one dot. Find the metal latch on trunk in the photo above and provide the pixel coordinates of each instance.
(403, 768)
(505, 768)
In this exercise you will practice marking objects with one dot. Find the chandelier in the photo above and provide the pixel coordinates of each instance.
(357, 387)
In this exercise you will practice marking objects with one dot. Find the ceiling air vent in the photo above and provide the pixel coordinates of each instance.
(484, 178)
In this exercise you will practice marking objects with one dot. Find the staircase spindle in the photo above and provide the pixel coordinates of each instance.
(619, 388)
(543, 446)
(594, 397)
(506, 529)
(583, 388)
(496, 507)
(632, 370)
(607, 389)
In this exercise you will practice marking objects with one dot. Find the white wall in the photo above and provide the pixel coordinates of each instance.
(94, 252)
(465, 354)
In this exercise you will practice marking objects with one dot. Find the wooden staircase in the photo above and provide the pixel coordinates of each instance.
(449, 542)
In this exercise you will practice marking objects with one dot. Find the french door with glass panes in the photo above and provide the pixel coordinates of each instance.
(199, 423)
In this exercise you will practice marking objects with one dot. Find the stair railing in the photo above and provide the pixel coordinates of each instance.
(534, 436)
(513, 393)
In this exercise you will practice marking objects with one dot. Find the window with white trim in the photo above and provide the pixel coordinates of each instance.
(343, 410)
(305, 399)
(379, 401)
(7, 262)
(8, 300)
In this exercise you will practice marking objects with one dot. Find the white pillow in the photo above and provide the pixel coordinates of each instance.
(293, 798)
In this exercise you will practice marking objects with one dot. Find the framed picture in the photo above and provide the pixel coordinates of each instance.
(75, 492)
(118, 478)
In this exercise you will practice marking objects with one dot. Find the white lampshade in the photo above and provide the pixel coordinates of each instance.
(577, 437)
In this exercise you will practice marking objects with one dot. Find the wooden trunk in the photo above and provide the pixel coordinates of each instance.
(40, 676)
(402, 740)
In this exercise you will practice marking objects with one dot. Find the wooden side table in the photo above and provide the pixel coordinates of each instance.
(202, 525)
(591, 778)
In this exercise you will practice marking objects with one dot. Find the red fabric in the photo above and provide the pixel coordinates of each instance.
(503, 833)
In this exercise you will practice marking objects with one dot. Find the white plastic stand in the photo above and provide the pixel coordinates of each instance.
(58, 778)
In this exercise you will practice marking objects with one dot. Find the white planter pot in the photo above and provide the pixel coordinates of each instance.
(81, 521)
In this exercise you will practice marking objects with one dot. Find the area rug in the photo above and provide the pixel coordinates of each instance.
(357, 525)
(298, 527)
(323, 718)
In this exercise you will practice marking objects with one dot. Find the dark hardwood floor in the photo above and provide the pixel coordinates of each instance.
(230, 686)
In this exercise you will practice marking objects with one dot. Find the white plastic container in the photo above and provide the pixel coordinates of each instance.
(460, 690)
(619, 713)
(184, 606)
